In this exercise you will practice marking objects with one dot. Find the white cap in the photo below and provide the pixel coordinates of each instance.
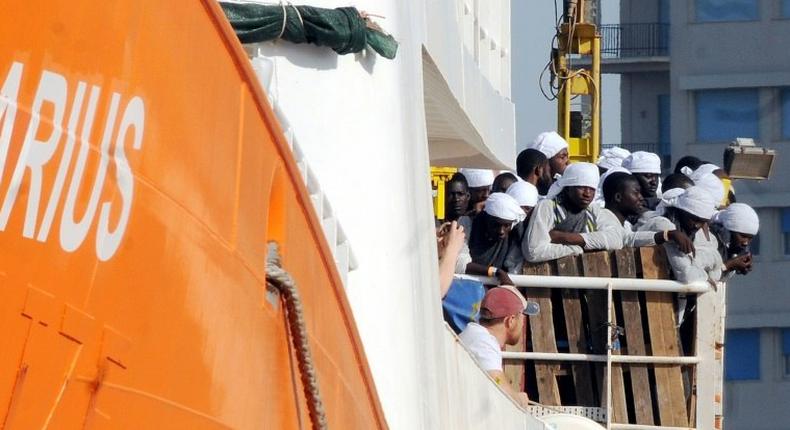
(576, 175)
(477, 178)
(505, 207)
(549, 143)
(525, 193)
(612, 157)
(643, 162)
(740, 218)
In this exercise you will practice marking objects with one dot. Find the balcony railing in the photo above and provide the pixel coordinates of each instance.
(634, 40)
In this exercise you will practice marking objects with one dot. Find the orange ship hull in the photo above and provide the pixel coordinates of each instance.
(143, 174)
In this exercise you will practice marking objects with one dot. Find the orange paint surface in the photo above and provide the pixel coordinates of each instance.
(143, 175)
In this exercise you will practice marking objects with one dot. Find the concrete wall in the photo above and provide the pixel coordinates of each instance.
(639, 110)
(732, 55)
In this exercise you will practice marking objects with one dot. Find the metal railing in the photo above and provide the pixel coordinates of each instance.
(634, 40)
(609, 285)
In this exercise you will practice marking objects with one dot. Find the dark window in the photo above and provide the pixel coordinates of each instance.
(727, 10)
(723, 115)
(742, 355)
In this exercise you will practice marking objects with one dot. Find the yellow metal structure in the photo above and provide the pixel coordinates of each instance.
(578, 37)
(439, 177)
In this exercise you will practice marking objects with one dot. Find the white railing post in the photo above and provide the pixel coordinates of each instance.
(609, 308)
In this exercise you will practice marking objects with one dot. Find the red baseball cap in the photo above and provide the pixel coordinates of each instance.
(502, 301)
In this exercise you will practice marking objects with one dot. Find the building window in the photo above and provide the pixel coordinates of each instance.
(785, 8)
(742, 355)
(786, 111)
(786, 352)
(723, 115)
(786, 230)
(727, 10)
(754, 247)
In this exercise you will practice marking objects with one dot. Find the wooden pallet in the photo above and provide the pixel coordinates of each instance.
(580, 317)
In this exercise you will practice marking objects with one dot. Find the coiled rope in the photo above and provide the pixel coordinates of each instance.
(279, 279)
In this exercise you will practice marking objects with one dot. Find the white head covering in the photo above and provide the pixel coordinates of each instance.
(643, 162)
(477, 178)
(549, 143)
(694, 200)
(612, 157)
(740, 218)
(710, 183)
(505, 207)
(576, 175)
(701, 170)
(525, 193)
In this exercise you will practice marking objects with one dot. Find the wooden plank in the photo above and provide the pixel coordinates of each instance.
(577, 338)
(664, 340)
(599, 264)
(635, 338)
(543, 338)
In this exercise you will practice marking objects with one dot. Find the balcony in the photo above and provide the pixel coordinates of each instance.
(629, 48)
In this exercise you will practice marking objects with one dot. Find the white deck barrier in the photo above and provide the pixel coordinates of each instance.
(710, 314)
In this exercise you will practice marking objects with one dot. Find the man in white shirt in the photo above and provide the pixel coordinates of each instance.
(502, 319)
(565, 223)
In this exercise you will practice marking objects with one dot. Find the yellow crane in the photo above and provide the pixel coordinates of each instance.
(577, 35)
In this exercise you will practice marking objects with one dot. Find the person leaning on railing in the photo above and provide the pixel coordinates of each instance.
(735, 228)
(565, 222)
(502, 319)
(624, 201)
(689, 211)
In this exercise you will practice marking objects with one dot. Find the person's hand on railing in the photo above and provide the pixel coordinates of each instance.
(683, 242)
(503, 277)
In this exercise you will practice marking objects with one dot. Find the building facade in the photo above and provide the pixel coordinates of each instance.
(695, 75)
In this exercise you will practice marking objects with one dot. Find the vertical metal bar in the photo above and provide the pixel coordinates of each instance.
(609, 357)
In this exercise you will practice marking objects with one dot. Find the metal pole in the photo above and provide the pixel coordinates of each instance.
(600, 358)
(597, 283)
(609, 357)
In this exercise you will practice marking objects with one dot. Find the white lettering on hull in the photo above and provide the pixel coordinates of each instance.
(35, 159)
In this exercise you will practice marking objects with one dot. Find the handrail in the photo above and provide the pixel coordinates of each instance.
(598, 283)
(598, 358)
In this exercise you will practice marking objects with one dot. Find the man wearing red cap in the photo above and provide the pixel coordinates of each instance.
(501, 323)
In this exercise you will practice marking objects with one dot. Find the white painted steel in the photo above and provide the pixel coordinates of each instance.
(609, 318)
(598, 358)
(360, 122)
(596, 283)
(646, 427)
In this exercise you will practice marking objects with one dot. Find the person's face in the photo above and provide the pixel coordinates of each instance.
(648, 182)
(456, 200)
(544, 178)
(740, 240)
(498, 228)
(479, 194)
(515, 326)
(559, 162)
(503, 185)
(580, 197)
(630, 200)
(689, 223)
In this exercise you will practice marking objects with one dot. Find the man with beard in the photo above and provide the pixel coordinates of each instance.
(555, 148)
(456, 202)
(479, 181)
(532, 166)
(645, 166)
(624, 200)
(502, 321)
(565, 223)
(490, 241)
